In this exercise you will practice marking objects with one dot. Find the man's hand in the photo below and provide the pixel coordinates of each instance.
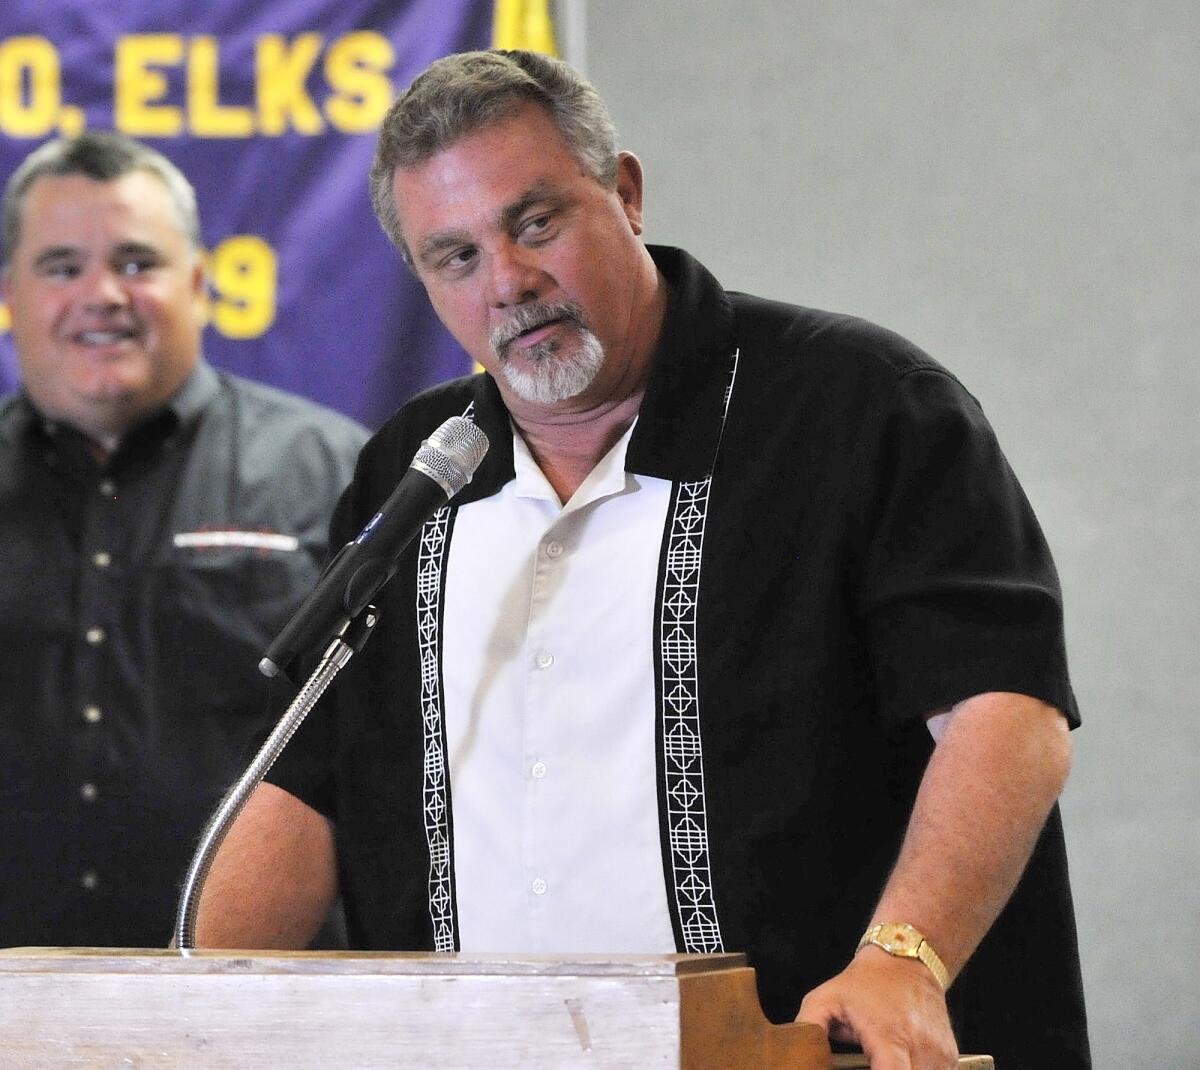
(893, 1008)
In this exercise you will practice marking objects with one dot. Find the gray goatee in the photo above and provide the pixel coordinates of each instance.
(551, 375)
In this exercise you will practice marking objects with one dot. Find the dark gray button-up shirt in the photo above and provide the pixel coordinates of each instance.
(136, 597)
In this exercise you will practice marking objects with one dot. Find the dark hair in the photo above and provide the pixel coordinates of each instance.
(101, 156)
(463, 93)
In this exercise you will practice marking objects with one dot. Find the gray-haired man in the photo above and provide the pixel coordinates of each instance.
(668, 674)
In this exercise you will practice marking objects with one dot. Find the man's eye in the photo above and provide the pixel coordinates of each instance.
(537, 225)
(460, 258)
(135, 267)
(61, 271)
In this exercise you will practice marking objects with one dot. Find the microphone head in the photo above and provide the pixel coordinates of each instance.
(451, 454)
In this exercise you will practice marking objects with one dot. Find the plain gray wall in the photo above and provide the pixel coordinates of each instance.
(1016, 188)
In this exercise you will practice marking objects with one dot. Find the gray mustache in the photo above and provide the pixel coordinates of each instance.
(529, 317)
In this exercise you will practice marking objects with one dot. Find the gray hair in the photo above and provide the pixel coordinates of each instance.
(464, 93)
(103, 157)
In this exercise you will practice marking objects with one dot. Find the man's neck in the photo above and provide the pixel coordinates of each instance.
(567, 450)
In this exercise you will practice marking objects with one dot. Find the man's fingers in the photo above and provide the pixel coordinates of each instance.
(817, 1007)
(888, 1057)
(875, 1005)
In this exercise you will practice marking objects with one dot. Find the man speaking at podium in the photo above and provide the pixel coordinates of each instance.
(668, 674)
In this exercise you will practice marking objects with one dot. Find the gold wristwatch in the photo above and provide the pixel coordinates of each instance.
(903, 941)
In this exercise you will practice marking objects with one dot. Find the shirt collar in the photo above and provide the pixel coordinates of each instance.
(197, 391)
(679, 424)
(181, 410)
(609, 476)
(491, 417)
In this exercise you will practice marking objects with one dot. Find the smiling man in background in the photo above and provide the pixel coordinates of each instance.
(159, 522)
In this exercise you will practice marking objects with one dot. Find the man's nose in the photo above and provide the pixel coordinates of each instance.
(514, 277)
(105, 289)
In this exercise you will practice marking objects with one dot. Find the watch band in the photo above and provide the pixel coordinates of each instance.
(902, 940)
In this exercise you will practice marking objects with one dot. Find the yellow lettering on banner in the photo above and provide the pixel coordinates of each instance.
(356, 68)
(280, 73)
(138, 86)
(71, 121)
(37, 114)
(207, 116)
(244, 274)
(523, 24)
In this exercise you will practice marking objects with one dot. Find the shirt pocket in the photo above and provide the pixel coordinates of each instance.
(215, 611)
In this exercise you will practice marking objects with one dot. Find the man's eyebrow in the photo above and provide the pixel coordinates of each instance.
(536, 194)
(136, 248)
(55, 254)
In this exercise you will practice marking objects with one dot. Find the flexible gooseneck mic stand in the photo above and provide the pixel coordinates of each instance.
(347, 643)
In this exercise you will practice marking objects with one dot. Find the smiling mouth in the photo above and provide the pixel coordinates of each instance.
(109, 337)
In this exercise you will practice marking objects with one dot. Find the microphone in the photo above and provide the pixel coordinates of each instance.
(441, 468)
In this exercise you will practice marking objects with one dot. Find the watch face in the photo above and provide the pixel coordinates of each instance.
(899, 939)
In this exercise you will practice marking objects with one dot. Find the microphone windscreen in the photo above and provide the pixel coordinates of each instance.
(452, 453)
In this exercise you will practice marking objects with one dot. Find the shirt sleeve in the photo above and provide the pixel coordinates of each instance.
(959, 592)
(306, 766)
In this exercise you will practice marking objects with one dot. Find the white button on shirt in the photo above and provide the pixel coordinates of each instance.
(549, 665)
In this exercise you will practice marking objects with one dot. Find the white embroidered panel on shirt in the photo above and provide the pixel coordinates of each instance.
(431, 568)
(430, 564)
(683, 760)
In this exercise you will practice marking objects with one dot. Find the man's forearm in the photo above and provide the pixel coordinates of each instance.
(989, 786)
(274, 879)
(997, 769)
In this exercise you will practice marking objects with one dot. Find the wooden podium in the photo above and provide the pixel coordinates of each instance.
(67, 1008)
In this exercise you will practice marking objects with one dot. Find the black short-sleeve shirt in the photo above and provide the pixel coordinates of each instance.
(863, 555)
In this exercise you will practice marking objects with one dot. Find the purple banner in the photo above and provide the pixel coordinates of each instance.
(271, 110)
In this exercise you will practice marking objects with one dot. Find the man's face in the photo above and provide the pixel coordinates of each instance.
(106, 296)
(533, 265)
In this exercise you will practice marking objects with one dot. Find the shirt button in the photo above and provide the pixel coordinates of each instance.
(95, 636)
(92, 714)
(554, 549)
(545, 659)
(102, 559)
(538, 887)
(107, 487)
(88, 792)
(90, 880)
(538, 770)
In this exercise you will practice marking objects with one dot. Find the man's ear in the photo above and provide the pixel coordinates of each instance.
(202, 289)
(629, 189)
